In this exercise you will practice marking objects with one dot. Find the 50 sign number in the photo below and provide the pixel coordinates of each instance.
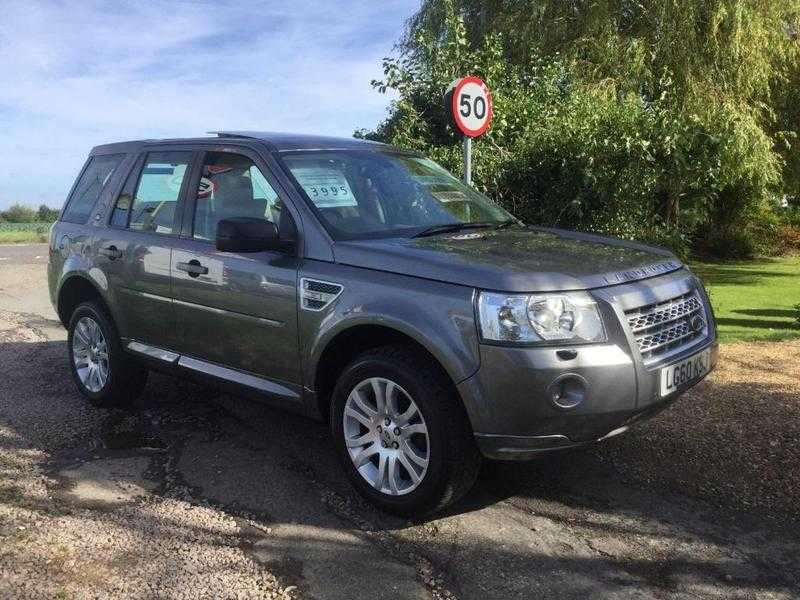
(471, 106)
(478, 106)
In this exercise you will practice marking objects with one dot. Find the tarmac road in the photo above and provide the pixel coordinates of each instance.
(199, 494)
(23, 254)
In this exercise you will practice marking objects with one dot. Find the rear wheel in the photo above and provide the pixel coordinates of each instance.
(403, 437)
(102, 371)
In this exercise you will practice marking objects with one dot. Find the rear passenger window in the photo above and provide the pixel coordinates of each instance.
(90, 185)
(153, 205)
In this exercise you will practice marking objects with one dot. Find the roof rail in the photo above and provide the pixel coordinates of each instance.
(233, 134)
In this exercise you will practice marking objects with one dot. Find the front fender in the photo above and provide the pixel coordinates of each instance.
(439, 316)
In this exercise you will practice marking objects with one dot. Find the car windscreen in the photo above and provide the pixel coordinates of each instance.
(366, 194)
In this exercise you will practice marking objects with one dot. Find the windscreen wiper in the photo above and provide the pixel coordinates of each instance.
(506, 223)
(450, 228)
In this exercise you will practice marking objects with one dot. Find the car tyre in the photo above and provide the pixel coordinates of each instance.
(448, 445)
(100, 368)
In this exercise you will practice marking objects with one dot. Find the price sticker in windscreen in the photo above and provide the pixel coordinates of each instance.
(327, 187)
(472, 106)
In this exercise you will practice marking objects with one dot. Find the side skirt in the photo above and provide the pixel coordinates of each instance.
(234, 381)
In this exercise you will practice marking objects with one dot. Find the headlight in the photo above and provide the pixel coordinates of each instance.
(569, 316)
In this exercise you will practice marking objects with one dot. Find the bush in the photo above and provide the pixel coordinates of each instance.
(45, 214)
(749, 234)
(19, 214)
(632, 169)
(583, 164)
(790, 215)
(727, 243)
(788, 239)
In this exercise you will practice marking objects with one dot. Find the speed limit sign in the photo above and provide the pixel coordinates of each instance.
(472, 106)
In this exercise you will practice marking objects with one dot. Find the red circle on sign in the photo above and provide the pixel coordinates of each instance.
(458, 117)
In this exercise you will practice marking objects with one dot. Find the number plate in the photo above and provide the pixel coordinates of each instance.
(687, 371)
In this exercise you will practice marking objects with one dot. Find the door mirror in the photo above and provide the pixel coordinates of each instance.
(247, 234)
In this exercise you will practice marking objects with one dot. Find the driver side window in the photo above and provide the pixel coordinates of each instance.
(231, 185)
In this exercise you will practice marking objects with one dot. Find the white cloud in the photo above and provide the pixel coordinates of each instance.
(79, 74)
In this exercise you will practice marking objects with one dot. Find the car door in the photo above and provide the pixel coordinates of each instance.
(135, 250)
(238, 311)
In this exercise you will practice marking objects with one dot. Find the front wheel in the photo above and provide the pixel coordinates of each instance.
(402, 435)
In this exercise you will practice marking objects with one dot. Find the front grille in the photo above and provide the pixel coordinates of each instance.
(666, 328)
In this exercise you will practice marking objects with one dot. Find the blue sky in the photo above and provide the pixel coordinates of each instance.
(81, 73)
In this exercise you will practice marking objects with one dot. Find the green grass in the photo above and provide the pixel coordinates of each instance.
(19, 233)
(754, 300)
(21, 237)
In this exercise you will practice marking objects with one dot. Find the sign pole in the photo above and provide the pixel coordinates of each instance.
(467, 160)
(470, 104)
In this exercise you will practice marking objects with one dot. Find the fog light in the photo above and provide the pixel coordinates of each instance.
(568, 391)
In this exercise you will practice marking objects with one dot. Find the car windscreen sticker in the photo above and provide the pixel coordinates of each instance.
(429, 180)
(449, 196)
(327, 188)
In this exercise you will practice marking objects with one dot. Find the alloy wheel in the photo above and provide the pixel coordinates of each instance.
(90, 354)
(386, 436)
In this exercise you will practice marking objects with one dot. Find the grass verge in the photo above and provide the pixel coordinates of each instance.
(22, 237)
(754, 300)
(19, 233)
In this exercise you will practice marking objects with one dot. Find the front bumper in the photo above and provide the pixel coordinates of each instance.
(504, 447)
(509, 399)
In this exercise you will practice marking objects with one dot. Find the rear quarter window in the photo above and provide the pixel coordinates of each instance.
(89, 187)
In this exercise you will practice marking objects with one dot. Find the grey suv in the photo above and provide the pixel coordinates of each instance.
(363, 284)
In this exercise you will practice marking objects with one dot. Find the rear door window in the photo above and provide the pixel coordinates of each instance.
(153, 205)
(89, 187)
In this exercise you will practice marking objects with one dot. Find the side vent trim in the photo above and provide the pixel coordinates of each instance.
(317, 295)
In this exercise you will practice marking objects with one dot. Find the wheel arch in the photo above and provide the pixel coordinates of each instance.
(348, 343)
(75, 290)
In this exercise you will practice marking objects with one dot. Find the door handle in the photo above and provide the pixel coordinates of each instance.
(193, 268)
(111, 252)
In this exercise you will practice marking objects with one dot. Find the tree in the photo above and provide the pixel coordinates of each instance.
(736, 48)
(45, 214)
(19, 214)
(714, 60)
(642, 119)
(786, 131)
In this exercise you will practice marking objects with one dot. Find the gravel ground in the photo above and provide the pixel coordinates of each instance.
(71, 544)
(734, 440)
(195, 494)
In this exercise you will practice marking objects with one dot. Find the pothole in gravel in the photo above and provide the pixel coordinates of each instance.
(128, 440)
(108, 483)
(130, 432)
